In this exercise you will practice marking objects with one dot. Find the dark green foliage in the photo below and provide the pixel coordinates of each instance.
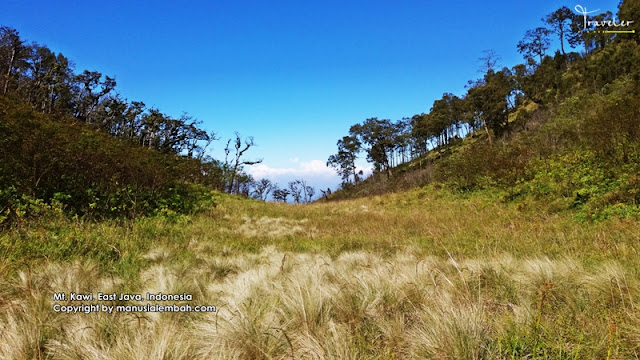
(86, 171)
(535, 43)
(281, 194)
(34, 75)
(610, 63)
(564, 131)
(629, 10)
(345, 160)
(584, 157)
(488, 102)
(443, 122)
(379, 137)
(68, 141)
(559, 21)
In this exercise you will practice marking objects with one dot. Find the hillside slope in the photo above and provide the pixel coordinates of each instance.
(573, 140)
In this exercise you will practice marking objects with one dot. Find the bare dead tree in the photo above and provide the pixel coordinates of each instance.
(296, 188)
(488, 61)
(232, 167)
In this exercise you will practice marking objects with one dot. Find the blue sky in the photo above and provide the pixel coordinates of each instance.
(295, 75)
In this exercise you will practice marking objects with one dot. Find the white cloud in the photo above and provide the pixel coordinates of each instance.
(315, 172)
(366, 170)
(304, 170)
(317, 167)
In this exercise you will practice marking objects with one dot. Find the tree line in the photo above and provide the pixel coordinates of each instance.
(299, 190)
(503, 98)
(69, 137)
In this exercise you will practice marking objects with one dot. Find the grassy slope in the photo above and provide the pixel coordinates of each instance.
(424, 273)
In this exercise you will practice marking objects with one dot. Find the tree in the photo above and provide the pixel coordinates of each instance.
(307, 190)
(280, 194)
(344, 162)
(300, 191)
(629, 10)
(244, 184)
(488, 61)
(295, 189)
(61, 86)
(308, 193)
(13, 53)
(598, 39)
(232, 167)
(577, 35)
(41, 63)
(57, 131)
(588, 30)
(262, 188)
(379, 136)
(535, 43)
(442, 122)
(92, 90)
(325, 193)
(488, 102)
(559, 21)
(403, 141)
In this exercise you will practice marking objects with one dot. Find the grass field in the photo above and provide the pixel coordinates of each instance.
(421, 274)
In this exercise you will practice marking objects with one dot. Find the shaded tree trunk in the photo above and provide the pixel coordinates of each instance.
(486, 128)
(6, 80)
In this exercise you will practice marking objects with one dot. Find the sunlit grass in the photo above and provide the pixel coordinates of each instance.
(423, 274)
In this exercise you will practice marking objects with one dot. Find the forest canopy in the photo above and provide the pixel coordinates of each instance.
(69, 140)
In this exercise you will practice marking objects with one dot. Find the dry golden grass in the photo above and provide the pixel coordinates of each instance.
(404, 276)
(358, 305)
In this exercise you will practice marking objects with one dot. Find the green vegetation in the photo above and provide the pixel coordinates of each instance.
(69, 141)
(426, 273)
(564, 128)
(66, 164)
